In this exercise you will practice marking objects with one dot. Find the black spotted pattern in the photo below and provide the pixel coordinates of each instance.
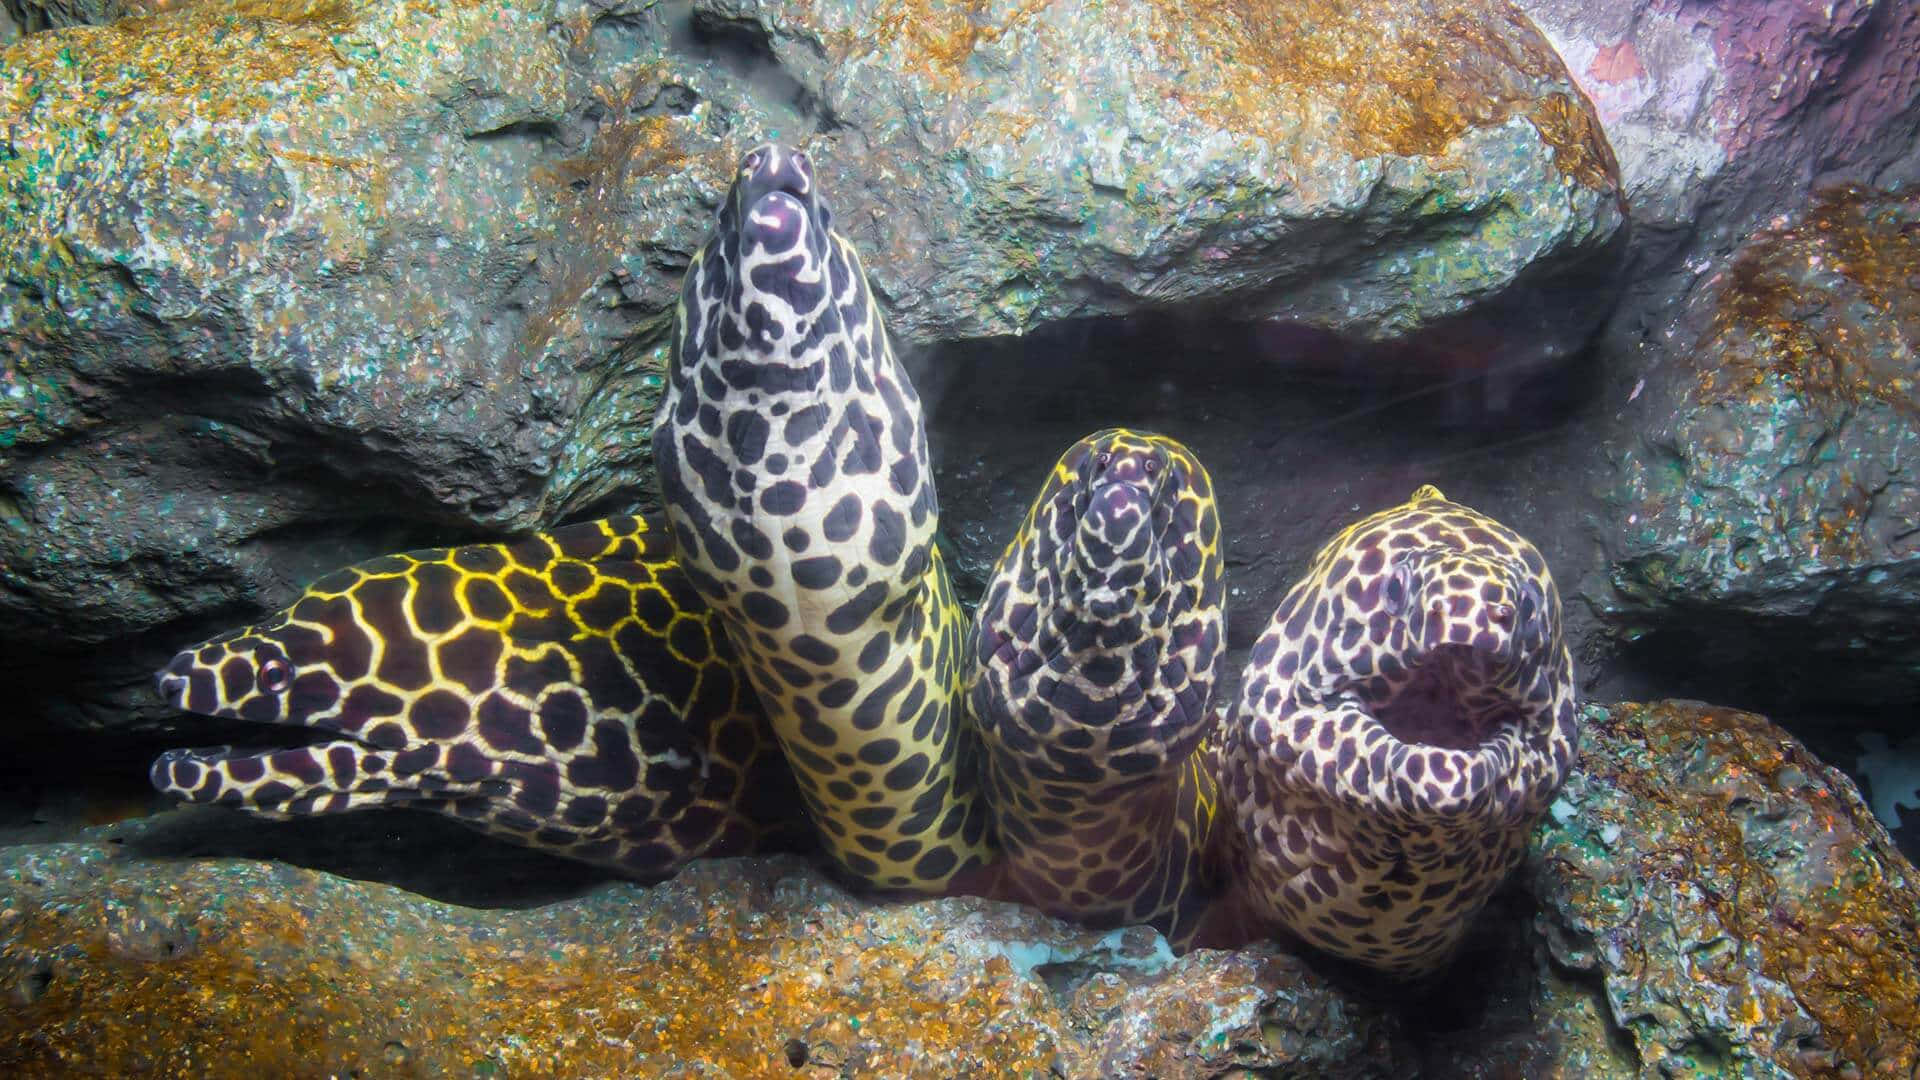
(1404, 721)
(793, 464)
(1095, 652)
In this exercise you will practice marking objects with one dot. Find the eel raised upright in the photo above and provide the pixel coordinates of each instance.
(1403, 722)
(794, 466)
(1096, 650)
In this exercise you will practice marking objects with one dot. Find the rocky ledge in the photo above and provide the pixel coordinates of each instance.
(1705, 899)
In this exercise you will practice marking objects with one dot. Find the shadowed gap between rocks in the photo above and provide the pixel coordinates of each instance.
(1302, 431)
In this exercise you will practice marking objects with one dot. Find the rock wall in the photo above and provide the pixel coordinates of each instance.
(290, 283)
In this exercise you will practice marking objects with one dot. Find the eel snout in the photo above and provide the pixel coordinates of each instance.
(171, 686)
(246, 678)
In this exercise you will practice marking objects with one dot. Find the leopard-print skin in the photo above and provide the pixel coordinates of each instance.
(795, 472)
(1095, 654)
(568, 691)
(1402, 723)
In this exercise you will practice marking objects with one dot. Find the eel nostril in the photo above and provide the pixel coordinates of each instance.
(169, 684)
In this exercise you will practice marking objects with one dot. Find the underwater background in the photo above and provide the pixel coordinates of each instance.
(287, 286)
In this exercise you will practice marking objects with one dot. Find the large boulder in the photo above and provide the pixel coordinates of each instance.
(1761, 520)
(1742, 911)
(286, 284)
(1704, 898)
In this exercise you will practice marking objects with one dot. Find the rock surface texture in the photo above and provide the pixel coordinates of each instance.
(1743, 909)
(118, 965)
(1726, 113)
(1768, 505)
(291, 283)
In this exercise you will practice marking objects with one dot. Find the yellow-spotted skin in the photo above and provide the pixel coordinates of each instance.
(1096, 649)
(1402, 723)
(568, 691)
(794, 469)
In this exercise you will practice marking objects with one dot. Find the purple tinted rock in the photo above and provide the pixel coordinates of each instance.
(1722, 113)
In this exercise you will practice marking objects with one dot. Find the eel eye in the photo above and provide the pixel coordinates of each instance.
(275, 675)
(752, 162)
(1152, 466)
(1103, 460)
(1502, 614)
(1532, 608)
(1399, 588)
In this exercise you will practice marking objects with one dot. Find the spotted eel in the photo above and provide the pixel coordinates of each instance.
(1096, 650)
(1403, 721)
(794, 468)
(568, 691)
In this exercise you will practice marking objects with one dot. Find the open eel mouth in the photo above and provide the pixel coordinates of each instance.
(1450, 681)
(334, 770)
(1448, 702)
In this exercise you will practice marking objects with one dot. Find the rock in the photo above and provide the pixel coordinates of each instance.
(29, 16)
(1722, 116)
(287, 284)
(1725, 120)
(1195, 157)
(267, 272)
(1704, 897)
(1744, 911)
(119, 964)
(1766, 507)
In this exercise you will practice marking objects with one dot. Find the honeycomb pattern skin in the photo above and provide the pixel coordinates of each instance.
(568, 691)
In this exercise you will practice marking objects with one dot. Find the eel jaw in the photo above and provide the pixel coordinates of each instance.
(1113, 552)
(338, 774)
(324, 778)
(1449, 700)
(282, 783)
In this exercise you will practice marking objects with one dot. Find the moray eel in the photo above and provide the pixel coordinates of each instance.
(569, 691)
(794, 467)
(1096, 650)
(1402, 723)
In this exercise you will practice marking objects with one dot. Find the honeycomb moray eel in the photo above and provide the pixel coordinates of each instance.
(794, 468)
(1096, 650)
(1402, 723)
(568, 691)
